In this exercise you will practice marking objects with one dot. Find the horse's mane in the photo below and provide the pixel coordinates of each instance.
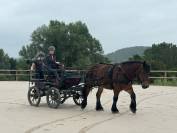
(132, 62)
(106, 63)
(145, 65)
(125, 62)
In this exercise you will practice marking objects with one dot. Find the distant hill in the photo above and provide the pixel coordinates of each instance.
(125, 53)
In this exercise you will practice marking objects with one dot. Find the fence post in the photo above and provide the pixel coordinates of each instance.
(16, 75)
(165, 77)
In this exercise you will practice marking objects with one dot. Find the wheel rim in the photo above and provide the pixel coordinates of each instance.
(53, 98)
(78, 99)
(34, 96)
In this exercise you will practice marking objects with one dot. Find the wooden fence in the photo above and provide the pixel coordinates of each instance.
(165, 74)
(162, 74)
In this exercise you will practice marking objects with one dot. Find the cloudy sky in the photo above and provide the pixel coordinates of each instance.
(116, 23)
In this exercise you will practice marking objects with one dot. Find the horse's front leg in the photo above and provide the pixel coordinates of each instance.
(115, 99)
(133, 99)
(85, 93)
(98, 102)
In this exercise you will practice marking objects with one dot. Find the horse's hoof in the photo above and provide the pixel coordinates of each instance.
(133, 110)
(99, 109)
(83, 105)
(115, 110)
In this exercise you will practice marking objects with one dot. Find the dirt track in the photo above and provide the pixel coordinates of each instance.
(157, 113)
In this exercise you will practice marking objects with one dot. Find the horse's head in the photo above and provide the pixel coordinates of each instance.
(143, 75)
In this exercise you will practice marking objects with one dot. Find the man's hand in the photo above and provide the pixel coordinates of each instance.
(33, 67)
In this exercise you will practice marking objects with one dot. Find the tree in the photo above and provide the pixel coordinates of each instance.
(136, 58)
(161, 56)
(4, 60)
(4, 64)
(75, 46)
(13, 63)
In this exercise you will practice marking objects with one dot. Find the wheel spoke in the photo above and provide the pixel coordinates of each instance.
(77, 99)
(34, 96)
(53, 96)
(33, 99)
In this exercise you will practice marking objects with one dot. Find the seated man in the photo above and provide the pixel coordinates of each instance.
(38, 65)
(54, 66)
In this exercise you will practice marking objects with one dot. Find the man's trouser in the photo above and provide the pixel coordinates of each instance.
(54, 72)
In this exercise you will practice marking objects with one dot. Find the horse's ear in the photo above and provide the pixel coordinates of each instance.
(146, 66)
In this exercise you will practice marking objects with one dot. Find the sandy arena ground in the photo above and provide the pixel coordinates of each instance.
(157, 113)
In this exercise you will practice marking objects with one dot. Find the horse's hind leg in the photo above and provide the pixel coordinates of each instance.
(98, 102)
(133, 99)
(85, 94)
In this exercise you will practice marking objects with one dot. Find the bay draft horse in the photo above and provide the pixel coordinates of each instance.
(116, 77)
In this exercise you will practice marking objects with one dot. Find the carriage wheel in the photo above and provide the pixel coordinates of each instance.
(53, 97)
(62, 98)
(34, 97)
(77, 98)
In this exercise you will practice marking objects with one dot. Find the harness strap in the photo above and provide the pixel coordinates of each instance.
(111, 75)
(111, 71)
(127, 76)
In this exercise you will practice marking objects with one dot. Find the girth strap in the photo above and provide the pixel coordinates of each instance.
(110, 73)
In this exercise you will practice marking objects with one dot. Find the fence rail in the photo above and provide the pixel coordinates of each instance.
(16, 74)
(164, 74)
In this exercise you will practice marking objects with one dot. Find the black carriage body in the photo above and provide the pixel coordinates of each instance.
(69, 82)
(69, 86)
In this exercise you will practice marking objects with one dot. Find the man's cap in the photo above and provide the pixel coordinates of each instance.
(40, 54)
(51, 48)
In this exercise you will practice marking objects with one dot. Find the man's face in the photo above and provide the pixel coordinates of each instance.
(51, 52)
